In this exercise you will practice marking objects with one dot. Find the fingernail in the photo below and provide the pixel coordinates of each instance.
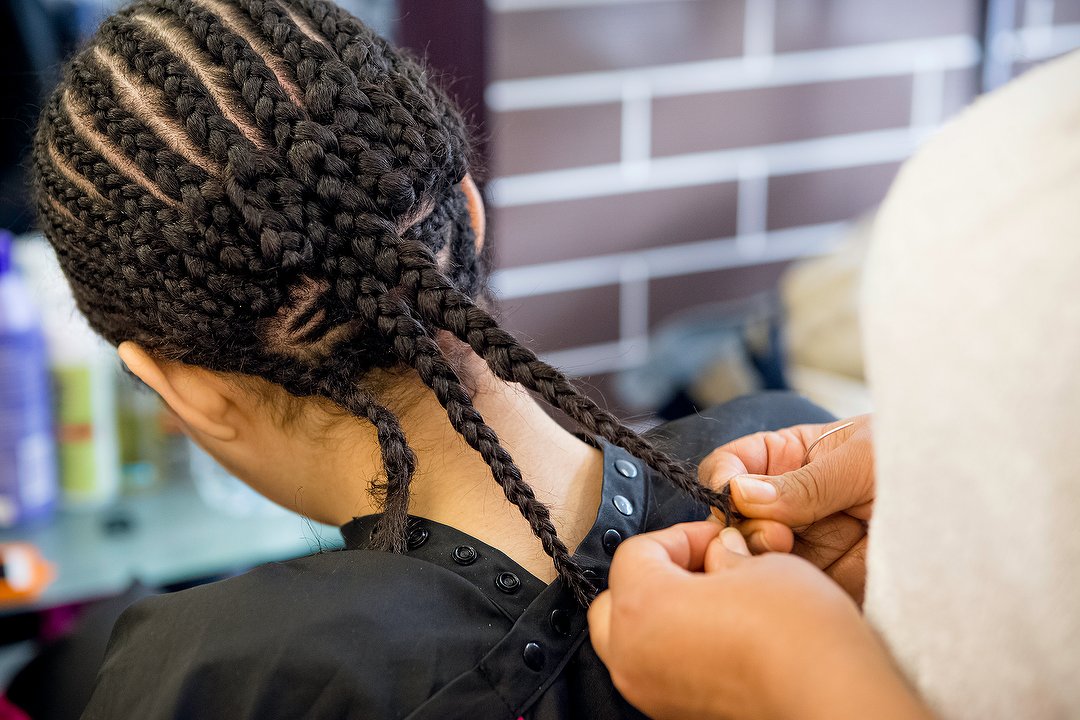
(733, 541)
(754, 490)
(760, 539)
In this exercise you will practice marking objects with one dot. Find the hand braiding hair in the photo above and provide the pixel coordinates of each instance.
(267, 187)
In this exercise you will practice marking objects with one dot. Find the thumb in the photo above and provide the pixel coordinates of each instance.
(828, 485)
(727, 550)
(600, 624)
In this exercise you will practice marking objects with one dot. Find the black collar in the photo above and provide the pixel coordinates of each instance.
(623, 511)
(548, 625)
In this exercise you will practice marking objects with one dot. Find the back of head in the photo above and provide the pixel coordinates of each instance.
(269, 188)
(243, 175)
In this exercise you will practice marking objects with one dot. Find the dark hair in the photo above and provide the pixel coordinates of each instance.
(269, 188)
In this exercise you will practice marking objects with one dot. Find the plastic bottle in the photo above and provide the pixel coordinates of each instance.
(140, 434)
(27, 451)
(84, 373)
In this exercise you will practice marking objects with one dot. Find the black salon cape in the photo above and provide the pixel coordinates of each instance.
(452, 629)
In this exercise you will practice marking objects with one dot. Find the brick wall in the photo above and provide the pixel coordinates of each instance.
(651, 155)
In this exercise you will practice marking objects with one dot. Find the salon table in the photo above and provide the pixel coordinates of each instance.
(165, 536)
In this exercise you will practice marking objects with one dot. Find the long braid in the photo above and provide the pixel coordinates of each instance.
(413, 345)
(267, 187)
(398, 460)
(452, 310)
(448, 308)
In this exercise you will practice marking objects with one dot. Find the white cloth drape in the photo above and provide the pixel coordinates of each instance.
(972, 333)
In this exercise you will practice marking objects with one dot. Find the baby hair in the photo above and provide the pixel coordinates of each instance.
(269, 188)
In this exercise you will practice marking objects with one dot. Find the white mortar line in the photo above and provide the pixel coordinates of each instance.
(927, 99)
(861, 61)
(827, 153)
(1041, 43)
(1038, 25)
(752, 209)
(1038, 13)
(759, 28)
(634, 308)
(636, 138)
(662, 262)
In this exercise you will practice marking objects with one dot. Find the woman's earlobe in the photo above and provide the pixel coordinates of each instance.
(194, 395)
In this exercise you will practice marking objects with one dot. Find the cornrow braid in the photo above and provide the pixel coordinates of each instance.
(267, 187)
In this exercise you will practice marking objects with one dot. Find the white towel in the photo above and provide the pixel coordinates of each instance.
(972, 322)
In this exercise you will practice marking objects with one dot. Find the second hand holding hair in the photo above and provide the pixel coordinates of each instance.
(694, 626)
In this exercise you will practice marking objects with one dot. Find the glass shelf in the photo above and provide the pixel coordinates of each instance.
(164, 536)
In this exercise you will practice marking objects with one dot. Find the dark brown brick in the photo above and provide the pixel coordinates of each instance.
(827, 196)
(604, 390)
(670, 296)
(811, 24)
(961, 87)
(564, 320)
(596, 226)
(608, 37)
(549, 139)
(694, 123)
(1066, 11)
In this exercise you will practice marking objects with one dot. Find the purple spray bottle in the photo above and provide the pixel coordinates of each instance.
(28, 486)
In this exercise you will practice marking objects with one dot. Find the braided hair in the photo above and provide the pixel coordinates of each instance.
(267, 187)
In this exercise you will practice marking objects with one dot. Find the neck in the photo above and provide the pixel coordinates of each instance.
(452, 484)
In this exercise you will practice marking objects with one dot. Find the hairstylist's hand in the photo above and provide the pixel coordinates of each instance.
(827, 501)
(694, 627)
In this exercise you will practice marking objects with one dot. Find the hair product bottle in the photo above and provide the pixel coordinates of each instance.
(27, 451)
(84, 379)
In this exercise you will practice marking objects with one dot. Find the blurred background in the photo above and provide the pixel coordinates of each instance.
(648, 158)
(680, 192)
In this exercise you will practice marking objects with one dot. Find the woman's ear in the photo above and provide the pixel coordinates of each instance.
(200, 399)
(476, 209)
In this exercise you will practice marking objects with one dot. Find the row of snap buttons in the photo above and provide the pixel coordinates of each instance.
(508, 582)
(612, 538)
(465, 555)
(417, 537)
(560, 621)
(533, 654)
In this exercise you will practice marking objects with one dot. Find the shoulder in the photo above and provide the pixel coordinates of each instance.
(319, 634)
(693, 437)
(365, 586)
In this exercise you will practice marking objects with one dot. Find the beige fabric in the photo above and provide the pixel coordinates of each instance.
(821, 325)
(821, 306)
(973, 355)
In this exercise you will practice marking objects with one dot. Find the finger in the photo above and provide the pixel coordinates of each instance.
(833, 482)
(763, 453)
(827, 540)
(674, 550)
(767, 536)
(726, 550)
(600, 624)
(849, 571)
